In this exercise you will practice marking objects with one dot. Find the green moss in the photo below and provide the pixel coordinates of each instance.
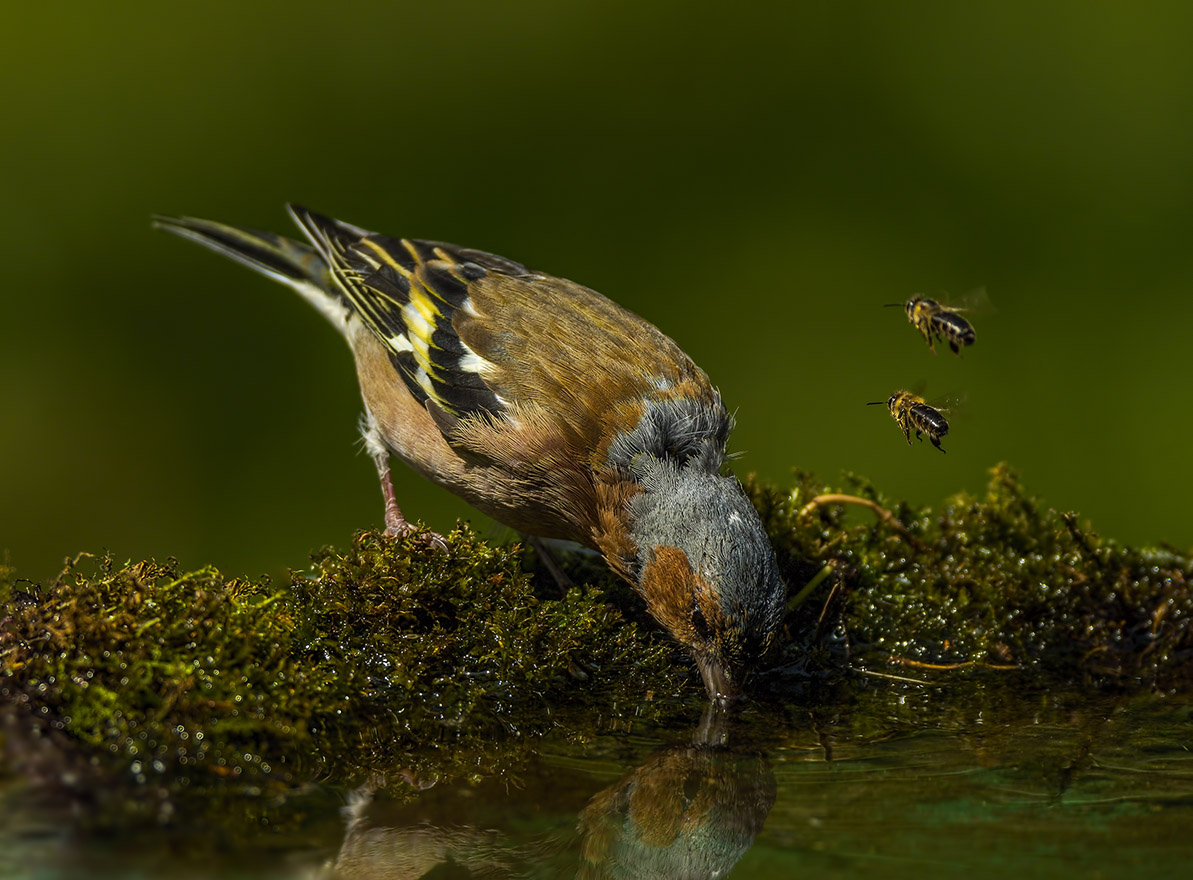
(393, 658)
(994, 583)
(389, 657)
(453, 656)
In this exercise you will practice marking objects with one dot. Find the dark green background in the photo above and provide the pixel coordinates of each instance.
(757, 180)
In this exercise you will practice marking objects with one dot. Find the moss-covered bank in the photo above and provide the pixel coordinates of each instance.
(392, 657)
(993, 583)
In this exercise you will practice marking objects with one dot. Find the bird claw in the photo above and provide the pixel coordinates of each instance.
(404, 529)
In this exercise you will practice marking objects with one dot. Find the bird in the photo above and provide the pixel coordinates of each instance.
(548, 407)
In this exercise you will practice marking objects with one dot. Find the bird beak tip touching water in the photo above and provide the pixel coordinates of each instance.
(723, 688)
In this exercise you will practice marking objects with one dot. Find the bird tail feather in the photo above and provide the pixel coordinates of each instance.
(293, 263)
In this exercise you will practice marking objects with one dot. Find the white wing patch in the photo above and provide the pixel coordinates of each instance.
(399, 343)
(473, 362)
(424, 382)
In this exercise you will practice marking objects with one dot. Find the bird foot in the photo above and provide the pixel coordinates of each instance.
(403, 528)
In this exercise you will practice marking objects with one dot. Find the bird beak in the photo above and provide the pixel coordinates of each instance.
(723, 688)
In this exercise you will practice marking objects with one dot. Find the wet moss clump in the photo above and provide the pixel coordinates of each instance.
(391, 655)
(994, 583)
(449, 655)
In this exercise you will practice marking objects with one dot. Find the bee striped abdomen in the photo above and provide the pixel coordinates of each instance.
(929, 420)
(954, 329)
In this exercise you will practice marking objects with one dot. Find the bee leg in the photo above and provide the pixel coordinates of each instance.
(936, 442)
(956, 348)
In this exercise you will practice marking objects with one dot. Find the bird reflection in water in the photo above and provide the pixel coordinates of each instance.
(688, 811)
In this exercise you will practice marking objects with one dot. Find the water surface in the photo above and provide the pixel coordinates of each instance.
(891, 781)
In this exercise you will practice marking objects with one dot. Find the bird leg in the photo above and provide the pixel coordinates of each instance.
(396, 525)
(547, 558)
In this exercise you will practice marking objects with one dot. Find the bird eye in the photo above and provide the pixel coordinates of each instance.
(699, 623)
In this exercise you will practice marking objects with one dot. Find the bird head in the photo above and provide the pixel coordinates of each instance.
(706, 569)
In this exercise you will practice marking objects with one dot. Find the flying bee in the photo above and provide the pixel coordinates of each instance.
(912, 414)
(933, 319)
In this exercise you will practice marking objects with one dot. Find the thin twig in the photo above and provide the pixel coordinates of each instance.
(891, 677)
(920, 664)
(883, 514)
(824, 608)
(817, 580)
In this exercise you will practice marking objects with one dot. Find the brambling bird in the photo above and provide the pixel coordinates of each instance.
(546, 406)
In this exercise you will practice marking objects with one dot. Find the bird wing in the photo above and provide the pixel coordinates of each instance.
(480, 337)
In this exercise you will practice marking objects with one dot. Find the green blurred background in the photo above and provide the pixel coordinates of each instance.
(757, 180)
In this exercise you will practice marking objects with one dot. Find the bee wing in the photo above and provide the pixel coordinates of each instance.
(972, 302)
(952, 404)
